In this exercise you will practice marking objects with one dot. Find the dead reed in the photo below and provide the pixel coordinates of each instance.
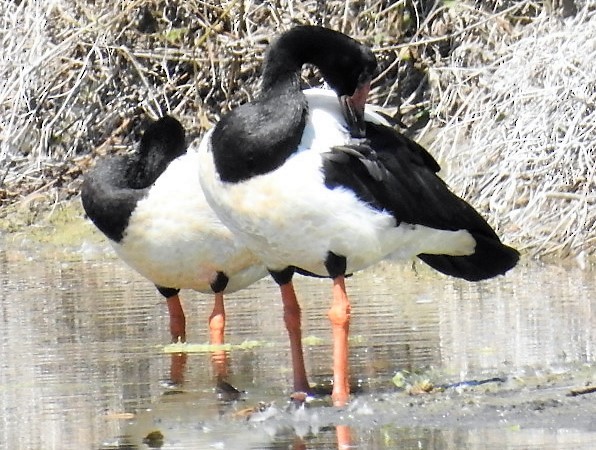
(503, 89)
(517, 121)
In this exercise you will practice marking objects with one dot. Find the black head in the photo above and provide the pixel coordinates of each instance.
(345, 64)
(165, 135)
(163, 141)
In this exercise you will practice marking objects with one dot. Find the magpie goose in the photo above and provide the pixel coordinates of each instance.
(286, 175)
(150, 206)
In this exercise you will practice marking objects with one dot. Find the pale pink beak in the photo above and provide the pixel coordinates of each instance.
(353, 110)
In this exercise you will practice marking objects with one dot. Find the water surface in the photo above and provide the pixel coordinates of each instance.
(82, 361)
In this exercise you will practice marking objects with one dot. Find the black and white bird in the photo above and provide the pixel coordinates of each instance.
(150, 206)
(286, 175)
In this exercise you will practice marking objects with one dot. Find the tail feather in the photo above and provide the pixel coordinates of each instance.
(491, 258)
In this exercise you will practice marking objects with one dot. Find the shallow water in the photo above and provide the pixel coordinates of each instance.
(82, 361)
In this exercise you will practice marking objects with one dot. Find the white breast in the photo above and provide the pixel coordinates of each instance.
(175, 239)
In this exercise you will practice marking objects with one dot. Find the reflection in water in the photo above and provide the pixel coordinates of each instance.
(82, 362)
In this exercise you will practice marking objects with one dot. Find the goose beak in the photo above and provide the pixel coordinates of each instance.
(353, 110)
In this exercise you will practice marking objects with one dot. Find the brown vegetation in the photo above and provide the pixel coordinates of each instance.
(81, 78)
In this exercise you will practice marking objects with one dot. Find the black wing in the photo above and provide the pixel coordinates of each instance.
(392, 173)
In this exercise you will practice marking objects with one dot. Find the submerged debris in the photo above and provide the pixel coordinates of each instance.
(422, 387)
(155, 439)
(261, 411)
(226, 392)
(420, 383)
(582, 391)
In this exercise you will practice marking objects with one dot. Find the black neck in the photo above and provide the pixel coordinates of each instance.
(162, 142)
(258, 137)
(144, 169)
(107, 197)
(112, 189)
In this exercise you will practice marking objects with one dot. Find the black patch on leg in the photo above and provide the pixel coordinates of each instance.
(220, 282)
(335, 265)
(166, 291)
(283, 276)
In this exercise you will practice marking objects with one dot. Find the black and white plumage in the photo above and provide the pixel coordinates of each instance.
(367, 200)
(374, 171)
(286, 175)
(150, 206)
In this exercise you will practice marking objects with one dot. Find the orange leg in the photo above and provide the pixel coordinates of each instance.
(217, 321)
(177, 319)
(339, 315)
(344, 437)
(217, 324)
(293, 325)
(178, 367)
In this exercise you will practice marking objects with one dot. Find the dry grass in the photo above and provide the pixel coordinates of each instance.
(518, 128)
(80, 79)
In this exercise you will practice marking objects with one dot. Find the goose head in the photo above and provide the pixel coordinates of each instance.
(161, 143)
(347, 66)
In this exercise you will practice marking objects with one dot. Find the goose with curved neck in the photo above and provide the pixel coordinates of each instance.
(330, 205)
(259, 137)
(150, 206)
(281, 110)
